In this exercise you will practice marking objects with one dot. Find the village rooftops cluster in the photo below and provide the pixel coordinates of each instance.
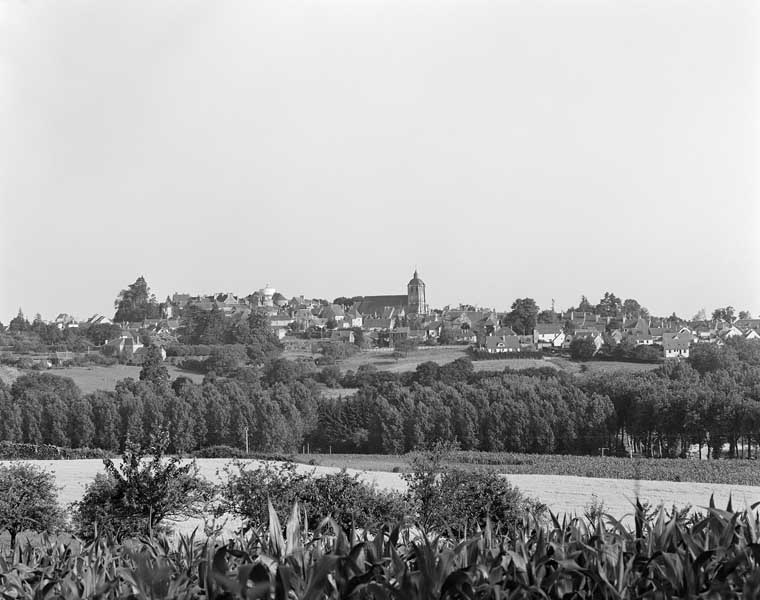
(384, 320)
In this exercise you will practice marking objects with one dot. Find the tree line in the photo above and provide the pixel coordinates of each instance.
(711, 400)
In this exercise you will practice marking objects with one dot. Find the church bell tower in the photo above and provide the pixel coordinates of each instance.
(416, 296)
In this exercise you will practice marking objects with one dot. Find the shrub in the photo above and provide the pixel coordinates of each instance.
(458, 501)
(344, 497)
(27, 500)
(141, 493)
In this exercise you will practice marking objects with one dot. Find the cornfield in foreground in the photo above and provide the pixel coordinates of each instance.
(661, 557)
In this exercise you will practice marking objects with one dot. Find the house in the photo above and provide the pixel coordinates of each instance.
(343, 335)
(353, 317)
(126, 345)
(97, 319)
(676, 345)
(747, 324)
(378, 324)
(500, 345)
(729, 332)
(641, 339)
(614, 337)
(752, 334)
(548, 335)
(333, 312)
(65, 321)
(62, 358)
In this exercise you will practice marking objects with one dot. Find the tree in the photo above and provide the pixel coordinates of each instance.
(701, 315)
(146, 489)
(633, 309)
(153, 370)
(585, 305)
(547, 316)
(726, 314)
(582, 348)
(522, 317)
(135, 303)
(609, 305)
(28, 500)
(745, 314)
(226, 360)
(19, 324)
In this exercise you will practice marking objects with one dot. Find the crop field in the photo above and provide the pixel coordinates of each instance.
(561, 493)
(728, 472)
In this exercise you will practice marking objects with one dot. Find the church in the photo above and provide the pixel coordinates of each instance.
(411, 303)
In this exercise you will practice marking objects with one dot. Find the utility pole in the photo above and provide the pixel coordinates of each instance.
(246, 439)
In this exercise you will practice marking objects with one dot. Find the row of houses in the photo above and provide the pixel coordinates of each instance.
(675, 340)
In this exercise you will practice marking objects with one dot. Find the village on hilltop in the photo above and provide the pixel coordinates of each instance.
(391, 321)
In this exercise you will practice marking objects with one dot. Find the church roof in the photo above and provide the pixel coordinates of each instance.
(376, 305)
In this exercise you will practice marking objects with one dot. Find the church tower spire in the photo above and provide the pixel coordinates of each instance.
(416, 295)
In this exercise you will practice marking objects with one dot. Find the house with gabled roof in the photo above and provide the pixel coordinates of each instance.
(548, 335)
(746, 324)
(676, 345)
(504, 344)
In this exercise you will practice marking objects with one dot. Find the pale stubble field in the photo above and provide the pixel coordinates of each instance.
(562, 494)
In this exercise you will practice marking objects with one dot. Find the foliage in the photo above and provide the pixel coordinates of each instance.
(28, 500)
(522, 316)
(141, 493)
(726, 313)
(135, 303)
(609, 305)
(459, 500)
(343, 497)
(582, 347)
(661, 556)
(18, 451)
(153, 370)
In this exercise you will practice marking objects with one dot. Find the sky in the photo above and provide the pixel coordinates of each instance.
(507, 149)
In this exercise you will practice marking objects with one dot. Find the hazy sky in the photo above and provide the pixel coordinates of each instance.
(507, 148)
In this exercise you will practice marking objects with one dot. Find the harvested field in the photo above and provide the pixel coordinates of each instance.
(561, 494)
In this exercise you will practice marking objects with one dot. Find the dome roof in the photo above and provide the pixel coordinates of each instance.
(415, 280)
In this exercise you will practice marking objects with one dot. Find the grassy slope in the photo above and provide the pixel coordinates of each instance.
(94, 378)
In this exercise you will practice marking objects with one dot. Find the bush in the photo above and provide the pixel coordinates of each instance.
(340, 495)
(141, 493)
(28, 500)
(459, 501)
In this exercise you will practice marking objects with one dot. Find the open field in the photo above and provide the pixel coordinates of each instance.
(726, 472)
(384, 361)
(599, 366)
(561, 494)
(94, 378)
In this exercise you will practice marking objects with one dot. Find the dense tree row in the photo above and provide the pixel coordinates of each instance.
(46, 409)
(711, 400)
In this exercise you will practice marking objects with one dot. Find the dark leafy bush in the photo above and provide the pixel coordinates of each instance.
(345, 497)
(458, 500)
(138, 496)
